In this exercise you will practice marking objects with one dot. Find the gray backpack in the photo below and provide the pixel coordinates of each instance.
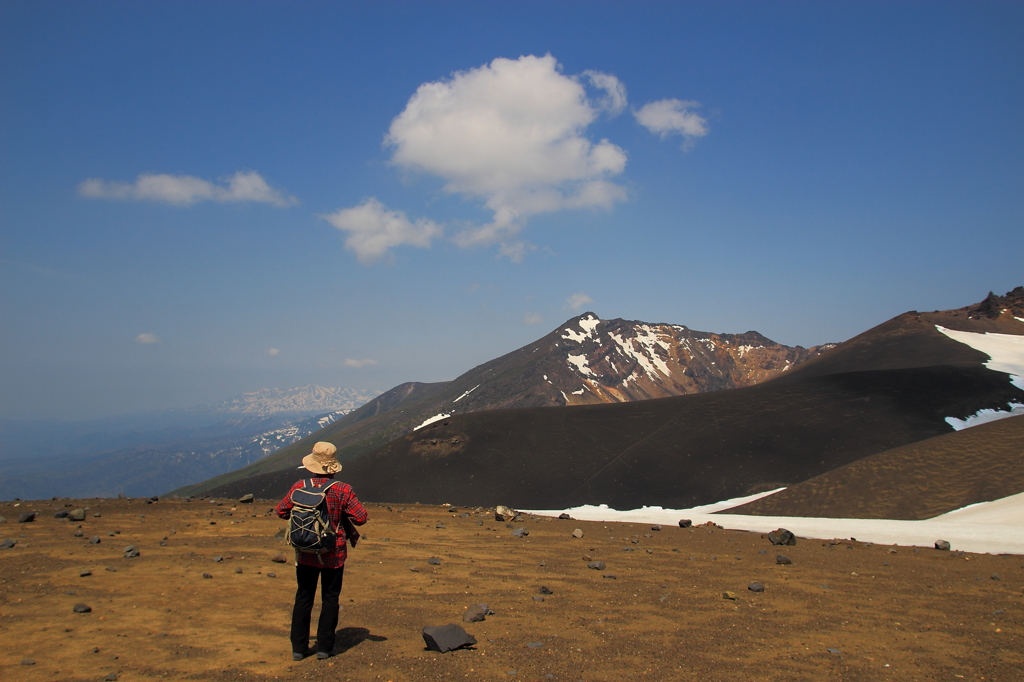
(309, 526)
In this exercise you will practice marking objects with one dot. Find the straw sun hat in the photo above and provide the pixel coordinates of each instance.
(321, 460)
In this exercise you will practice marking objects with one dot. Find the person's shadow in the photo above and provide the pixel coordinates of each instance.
(348, 638)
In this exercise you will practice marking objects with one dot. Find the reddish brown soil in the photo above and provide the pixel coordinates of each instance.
(927, 615)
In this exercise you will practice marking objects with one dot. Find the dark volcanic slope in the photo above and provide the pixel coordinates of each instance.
(674, 452)
(916, 481)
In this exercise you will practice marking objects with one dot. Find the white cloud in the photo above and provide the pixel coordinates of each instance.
(673, 117)
(577, 301)
(185, 190)
(272, 352)
(511, 133)
(349, 362)
(148, 337)
(373, 230)
(532, 318)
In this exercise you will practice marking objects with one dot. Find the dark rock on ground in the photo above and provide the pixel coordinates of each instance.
(131, 551)
(538, 598)
(656, 527)
(78, 533)
(544, 589)
(26, 517)
(445, 638)
(610, 576)
(279, 559)
(596, 565)
(520, 532)
(62, 514)
(81, 608)
(781, 536)
(434, 561)
(755, 587)
(942, 545)
(247, 499)
(8, 543)
(475, 613)
(685, 523)
(207, 576)
(94, 540)
(729, 595)
(564, 516)
(271, 575)
(783, 560)
(85, 573)
(77, 515)
(27, 661)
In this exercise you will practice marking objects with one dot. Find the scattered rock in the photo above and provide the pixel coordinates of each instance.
(8, 543)
(781, 536)
(218, 559)
(502, 513)
(834, 651)
(538, 598)
(544, 589)
(3, 520)
(520, 532)
(85, 573)
(26, 517)
(94, 540)
(247, 499)
(578, 533)
(785, 560)
(131, 552)
(271, 575)
(27, 661)
(434, 561)
(81, 608)
(112, 677)
(535, 645)
(77, 515)
(62, 514)
(656, 527)
(111, 569)
(279, 559)
(685, 523)
(238, 570)
(475, 613)
(942, 545)
(443, 638)
(610, 576)
(729, 595)
(596, 565)
(996, 576)
(78, 533)
(755, 587)
(207, 576)
(439, 525)
(564, 516)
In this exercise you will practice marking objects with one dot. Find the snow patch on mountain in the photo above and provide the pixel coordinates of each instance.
(588, 324)
(431, 420)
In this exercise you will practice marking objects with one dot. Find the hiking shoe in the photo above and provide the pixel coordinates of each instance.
(323, 654)
(298, 655)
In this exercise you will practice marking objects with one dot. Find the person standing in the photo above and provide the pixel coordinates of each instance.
(343, 511)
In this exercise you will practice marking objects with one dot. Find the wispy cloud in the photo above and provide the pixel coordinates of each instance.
(148, 337)
(673, 117)
(185, 190)
(272, 352)
(532, 318)
(349, 362)
(373, 230)
(577, 301)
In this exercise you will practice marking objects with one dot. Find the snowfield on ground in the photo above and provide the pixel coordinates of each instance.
(995, 527)
(1005, 354)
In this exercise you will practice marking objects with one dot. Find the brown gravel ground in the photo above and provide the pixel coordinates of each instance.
(902, 615)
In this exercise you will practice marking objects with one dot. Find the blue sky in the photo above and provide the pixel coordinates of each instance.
(203, 198)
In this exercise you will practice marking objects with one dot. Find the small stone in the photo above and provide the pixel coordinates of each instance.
(97, 515)
(685, 523)
(238, 570)
(78, 533)
(578, 533)
(84, 574)
(207, 576)
(784, 560)
(610, 576)
(475, 613)
(538, 598)
(596, 565)
(271, 575)
(26, 517)
(564, 516)
(112, 677)
(27, 661)
(942, 545)
(279, 559)
(62, 514)
(81, 608)
(95, 649)
(218, 559)
(434, 561)
(439, 525)
(8, 543)
(781, 536)
(755, 587)
(835, 651)
(996, 576)
(729, 595)
(95, 540)
(111, 569)
(546, 590)
(77, 515)
(247, 499)
(443, 638)
(656, 527)
(520, 532)
(131, 552)
(535, 645)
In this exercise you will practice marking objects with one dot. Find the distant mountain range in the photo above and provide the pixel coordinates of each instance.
(148, 453)
(890, 387)
(584, 361)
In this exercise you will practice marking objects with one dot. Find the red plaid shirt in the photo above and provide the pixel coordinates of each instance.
(340, 501)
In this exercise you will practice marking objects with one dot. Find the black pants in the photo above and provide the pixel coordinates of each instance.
(330, 590)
